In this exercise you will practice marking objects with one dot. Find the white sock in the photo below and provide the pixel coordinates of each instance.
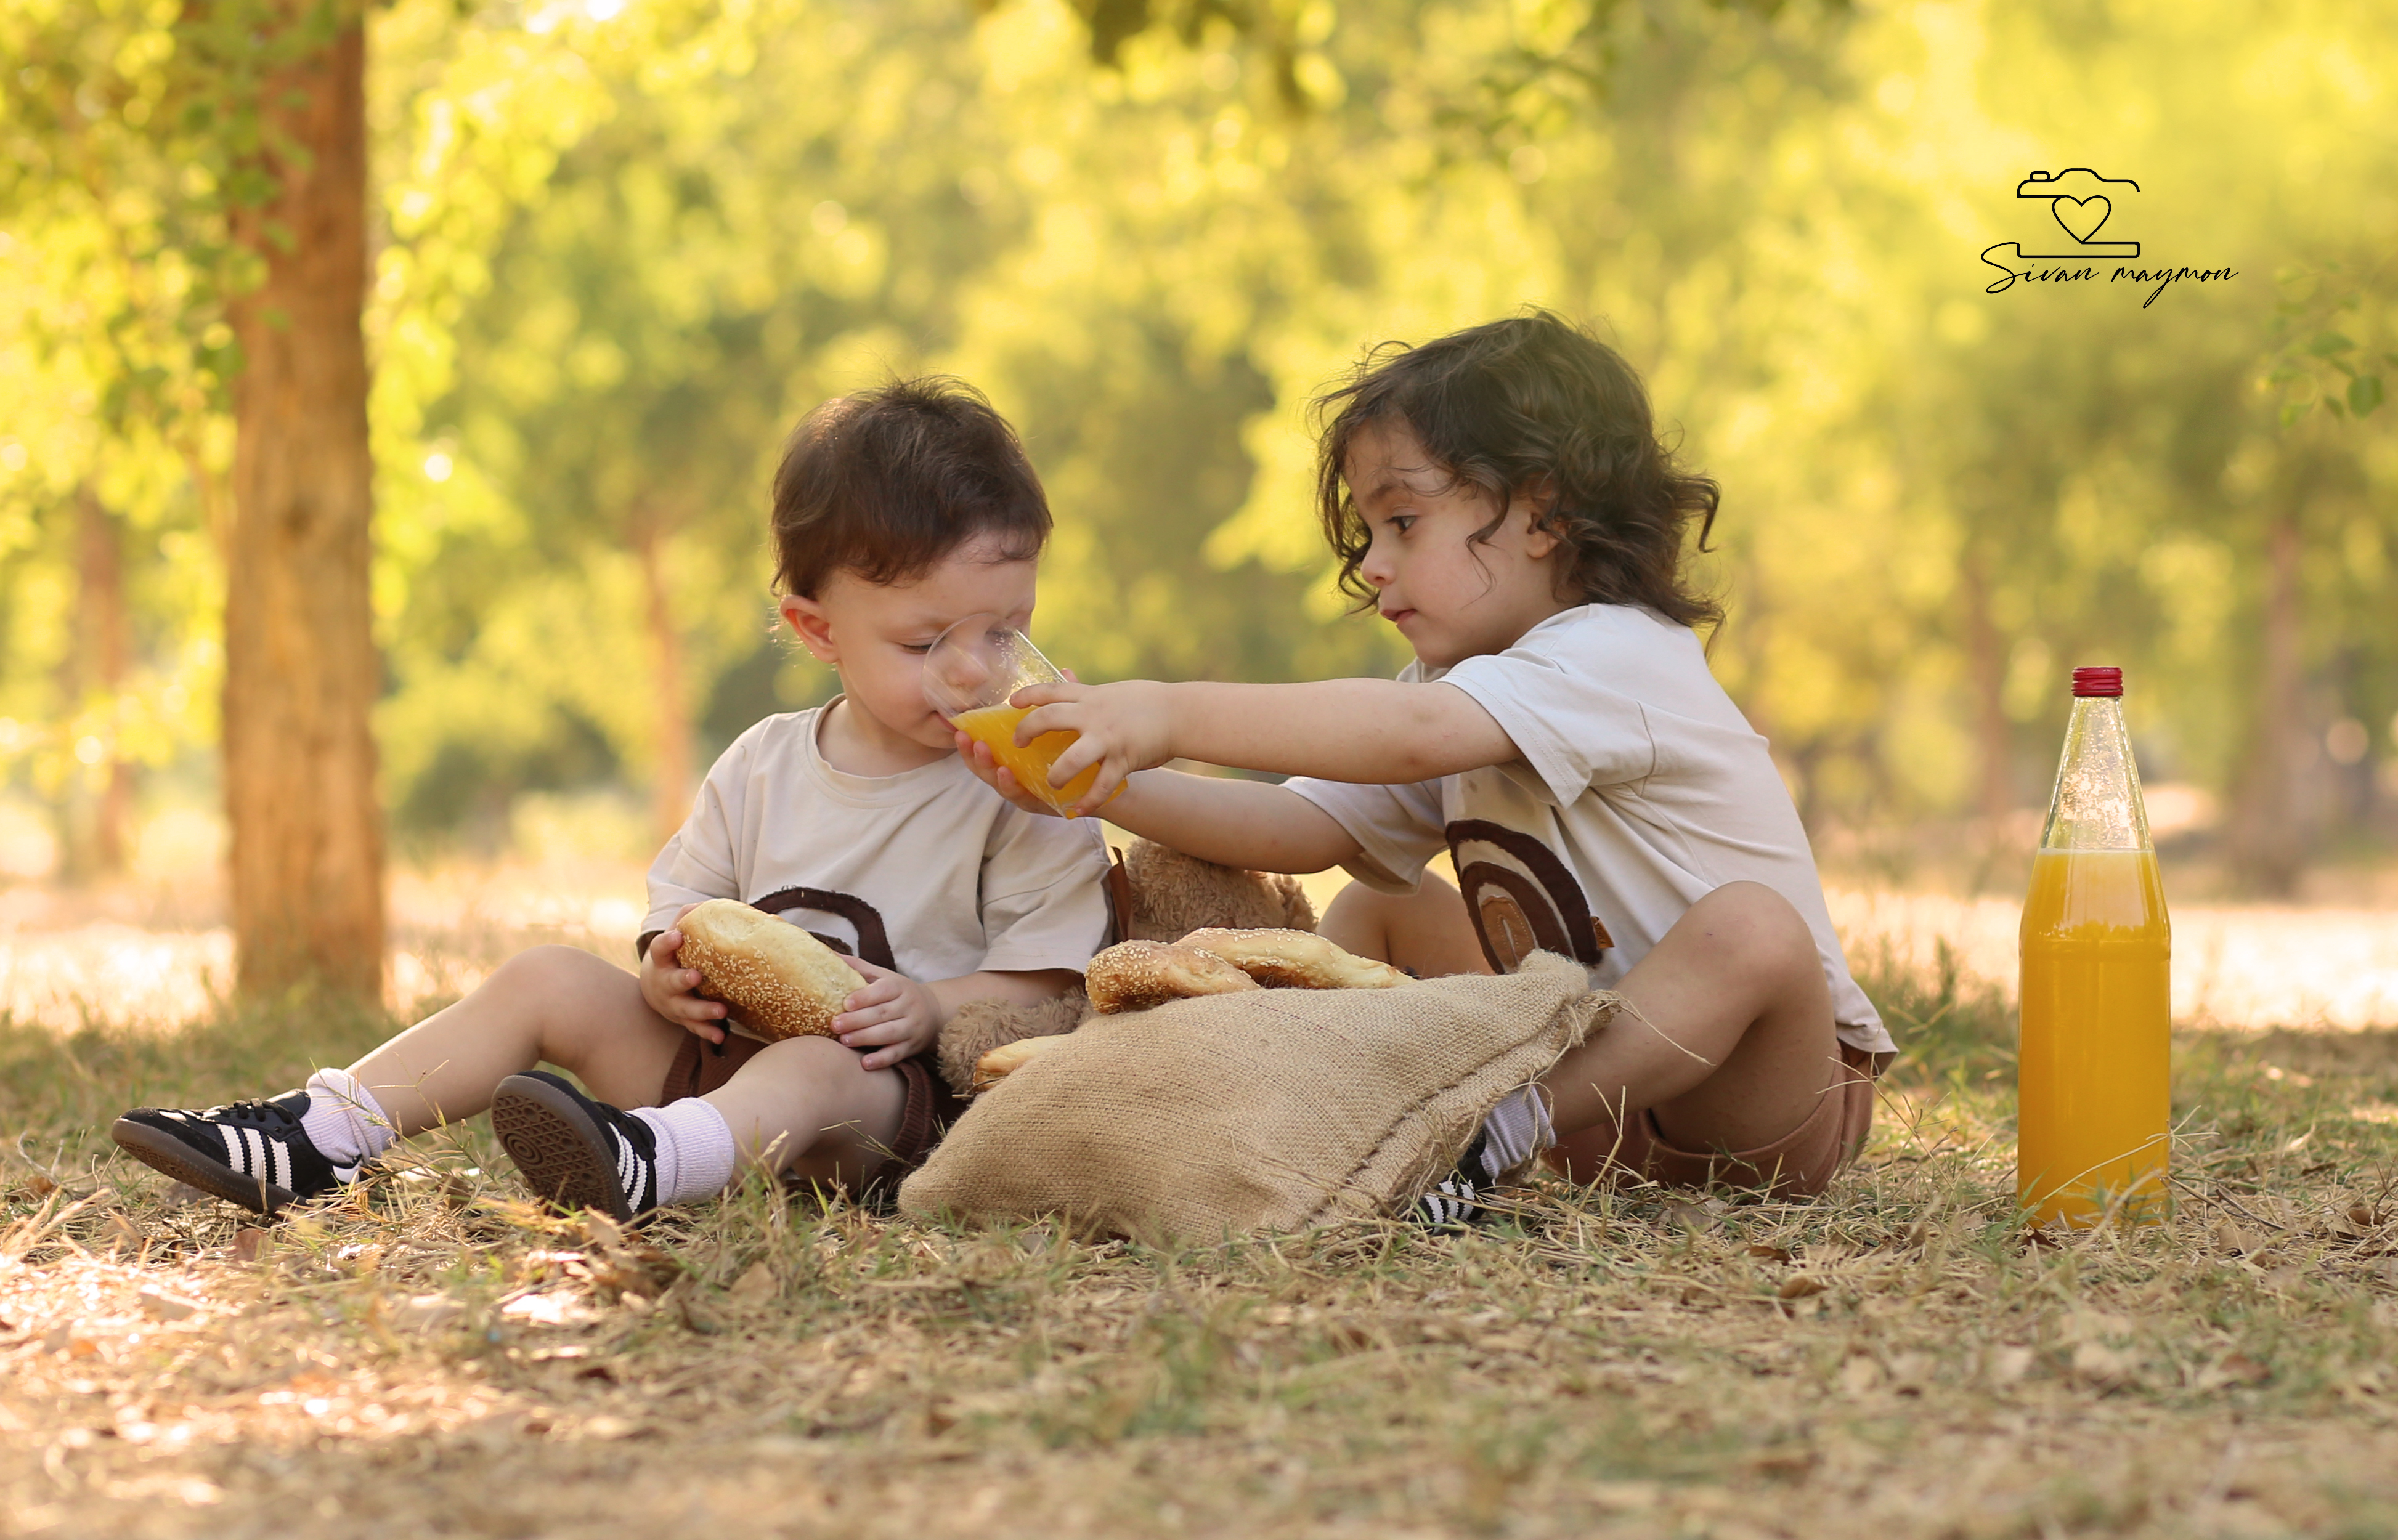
(343, 1120)
(695, 1149)
(1517, 1129)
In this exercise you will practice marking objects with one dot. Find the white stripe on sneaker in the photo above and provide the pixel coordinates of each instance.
(257, 1152)
(234, 1148)
(282, 1162)
(628, 1169)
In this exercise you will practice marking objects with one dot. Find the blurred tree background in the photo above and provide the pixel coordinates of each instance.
(618, 246)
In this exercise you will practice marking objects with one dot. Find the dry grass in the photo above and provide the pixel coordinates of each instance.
(433, 1356)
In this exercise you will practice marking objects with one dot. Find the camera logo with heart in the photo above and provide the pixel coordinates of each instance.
(2081, 202)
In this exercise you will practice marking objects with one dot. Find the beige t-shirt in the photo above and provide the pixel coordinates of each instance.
(1640, 788)
(928, 872)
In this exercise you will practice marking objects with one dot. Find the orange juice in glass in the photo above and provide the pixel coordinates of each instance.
(971, 672)
(2094, 1056)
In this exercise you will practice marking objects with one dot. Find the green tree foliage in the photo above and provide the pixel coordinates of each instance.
(624, 244)
(114, 357)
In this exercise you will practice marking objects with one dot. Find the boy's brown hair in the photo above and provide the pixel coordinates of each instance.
(886, 482)
(1523, 403)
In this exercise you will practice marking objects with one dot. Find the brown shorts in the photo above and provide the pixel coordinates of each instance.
(925, 1114)
(1799, 1164)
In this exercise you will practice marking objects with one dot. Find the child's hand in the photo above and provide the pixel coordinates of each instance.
(894, 1015)
(999, 778)
(1120, 727)
(669, 990)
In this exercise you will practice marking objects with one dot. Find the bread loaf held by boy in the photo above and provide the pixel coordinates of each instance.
(778, 981)
(1295, 960)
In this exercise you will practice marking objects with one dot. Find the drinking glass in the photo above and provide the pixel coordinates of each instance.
(971, 672)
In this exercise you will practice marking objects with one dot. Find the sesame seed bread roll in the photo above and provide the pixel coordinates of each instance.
(779, 981)
(1134, 975)
(1295, 960)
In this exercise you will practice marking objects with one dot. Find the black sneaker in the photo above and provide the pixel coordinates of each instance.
(574, 1152)
(1454, 1202)
(251, 1153)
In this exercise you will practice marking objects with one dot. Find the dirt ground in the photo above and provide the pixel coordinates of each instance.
(431, 1356)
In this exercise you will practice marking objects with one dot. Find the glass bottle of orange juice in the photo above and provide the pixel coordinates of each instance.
(2092, 1088)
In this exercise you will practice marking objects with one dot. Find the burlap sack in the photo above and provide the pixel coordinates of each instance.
(1238, 1113)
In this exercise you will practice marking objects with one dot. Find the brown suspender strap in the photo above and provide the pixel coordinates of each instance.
(1119, 899)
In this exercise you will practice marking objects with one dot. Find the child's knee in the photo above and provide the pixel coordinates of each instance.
(1362, 920)
(1368, 910)
(550, 968)
(1759, 927)
(1354, 910)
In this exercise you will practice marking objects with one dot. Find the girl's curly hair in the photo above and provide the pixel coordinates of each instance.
(1533, 401)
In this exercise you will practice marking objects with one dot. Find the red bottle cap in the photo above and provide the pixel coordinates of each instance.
(2097, 681)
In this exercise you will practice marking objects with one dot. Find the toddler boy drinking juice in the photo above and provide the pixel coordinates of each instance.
(897, 513)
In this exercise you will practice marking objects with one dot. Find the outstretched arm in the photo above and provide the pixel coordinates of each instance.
(1246, 823)
(1369, 731)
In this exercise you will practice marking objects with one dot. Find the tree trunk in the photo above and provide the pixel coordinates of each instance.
(301, 670)
(2267, 833)
(1986, 666)
(98, 820)
(670, 785)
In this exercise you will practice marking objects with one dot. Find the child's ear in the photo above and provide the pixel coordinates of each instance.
(1538, 497)
(808, 622)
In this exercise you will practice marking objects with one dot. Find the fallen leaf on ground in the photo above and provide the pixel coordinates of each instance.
(2006, 1365)
(2096, 1364)
(1627, 1496)
(1797, 1461)
(756, 1285)
(426, 1312)
(557, 1308)
(164, 1307)
(697, 1314)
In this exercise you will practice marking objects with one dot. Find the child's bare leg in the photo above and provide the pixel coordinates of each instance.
(1427, 932)
(552, 1004)
(1737, 1045)
(804, 1105)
